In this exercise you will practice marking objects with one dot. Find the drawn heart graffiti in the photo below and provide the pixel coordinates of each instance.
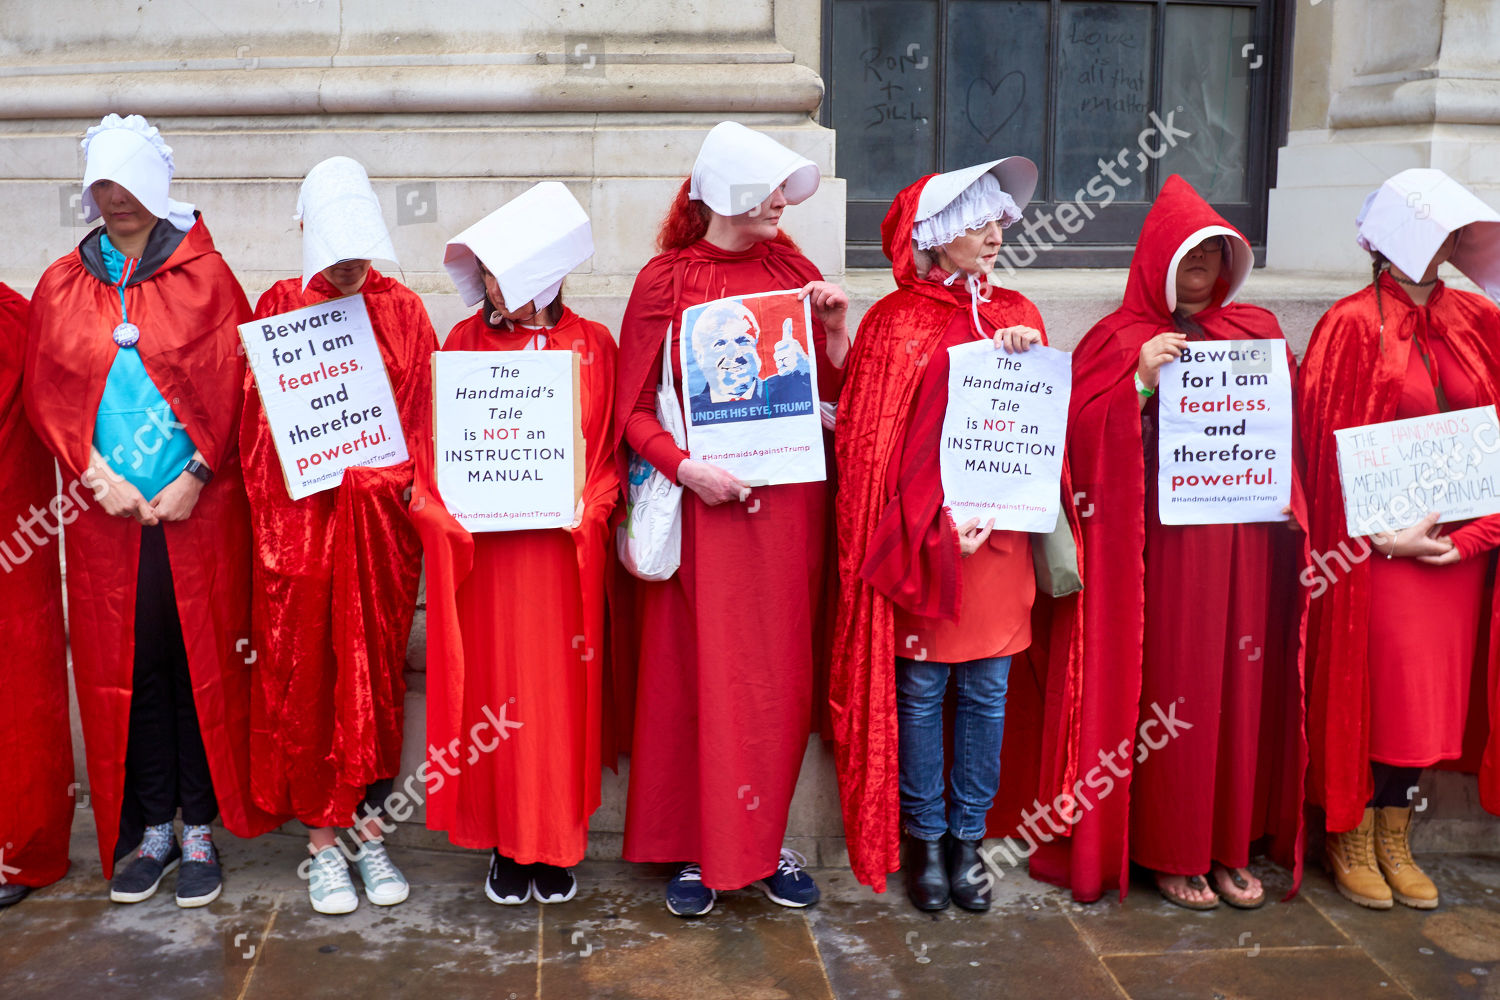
(986, 103)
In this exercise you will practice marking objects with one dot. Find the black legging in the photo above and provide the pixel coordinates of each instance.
(166, 766)
(1392, 784)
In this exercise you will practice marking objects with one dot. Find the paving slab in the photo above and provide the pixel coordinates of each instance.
(1453, 951)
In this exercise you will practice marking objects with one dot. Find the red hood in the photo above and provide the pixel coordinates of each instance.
(896, 241)
(1179, 219)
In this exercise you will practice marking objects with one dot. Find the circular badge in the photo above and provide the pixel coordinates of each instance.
(126, 334)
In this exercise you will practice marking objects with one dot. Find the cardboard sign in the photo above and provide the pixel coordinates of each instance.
(507, 436)
(1395, 473)
(325, 391)
(1224, 433)
(750, 388)
(1004, 434)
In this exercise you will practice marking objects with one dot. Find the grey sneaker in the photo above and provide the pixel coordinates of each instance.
(328, 883)
(384, 883)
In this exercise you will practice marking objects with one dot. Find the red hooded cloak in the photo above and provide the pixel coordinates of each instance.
(727, 647)
(515, 625)
(35, 743)
(335, 586)
(188, 310)
(1240, 771)
(896, 538)
(1354, 372)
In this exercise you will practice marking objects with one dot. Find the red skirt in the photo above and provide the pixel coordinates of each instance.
(725, 685)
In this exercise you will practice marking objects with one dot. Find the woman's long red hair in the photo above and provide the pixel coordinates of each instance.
(686, 223)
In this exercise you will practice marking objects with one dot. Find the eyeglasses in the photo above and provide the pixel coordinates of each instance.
(1212, 245)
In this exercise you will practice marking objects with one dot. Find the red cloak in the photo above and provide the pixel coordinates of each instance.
(35, 743)
(188, 310)
(726, 675)
(899, 337)
(515, 626)
(1353, 374)
(335, 586)
(1110, 473)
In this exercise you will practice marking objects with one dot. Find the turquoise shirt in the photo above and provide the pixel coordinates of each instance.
(136, 430)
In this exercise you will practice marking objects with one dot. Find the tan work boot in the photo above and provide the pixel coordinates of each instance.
(1393, 853)
(1351, 861)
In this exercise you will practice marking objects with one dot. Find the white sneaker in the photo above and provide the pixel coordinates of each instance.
(328, 883)
(384, 883)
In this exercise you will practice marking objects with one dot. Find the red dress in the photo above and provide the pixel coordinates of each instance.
(726, 658)
(1167, 611)
(35, 783)
(335, 586)
(906, 586)
(1420, 678)
(515, 628)
(188, 310)
(1362, 631)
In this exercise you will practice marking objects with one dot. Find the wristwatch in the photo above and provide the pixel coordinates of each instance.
(199, 471)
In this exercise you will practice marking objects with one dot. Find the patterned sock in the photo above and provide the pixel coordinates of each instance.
(157, 843)
(197, 843)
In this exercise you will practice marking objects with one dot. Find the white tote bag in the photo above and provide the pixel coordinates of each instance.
(649, 541)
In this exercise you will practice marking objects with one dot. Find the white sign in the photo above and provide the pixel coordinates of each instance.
(1395, 473)
(1224, 433)
(750, 388)
(1003, 435)
(507, 438)
(326, 395)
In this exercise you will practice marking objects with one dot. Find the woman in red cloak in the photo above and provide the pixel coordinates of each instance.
(728, 644)
(133, 380)
(515, 619)
(36, 781)
(336, 572)
(1390, 691)
(1229, 771)
(915, 580)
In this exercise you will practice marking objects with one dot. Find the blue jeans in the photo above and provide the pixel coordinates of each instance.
(978, 727)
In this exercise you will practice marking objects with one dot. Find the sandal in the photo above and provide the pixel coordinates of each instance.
(1193, 882)
(1253, 903)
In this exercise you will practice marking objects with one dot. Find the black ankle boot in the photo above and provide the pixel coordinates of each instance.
(967, 878)
(926, 878)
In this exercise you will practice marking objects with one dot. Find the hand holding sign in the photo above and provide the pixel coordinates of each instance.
(1014, 339)
(790, 357)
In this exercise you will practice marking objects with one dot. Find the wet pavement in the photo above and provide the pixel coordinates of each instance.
(261, 939)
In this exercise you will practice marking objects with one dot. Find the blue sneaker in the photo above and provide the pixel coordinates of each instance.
(789, 884)
(687, 896)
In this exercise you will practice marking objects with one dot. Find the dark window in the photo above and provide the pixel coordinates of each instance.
(1109, 99)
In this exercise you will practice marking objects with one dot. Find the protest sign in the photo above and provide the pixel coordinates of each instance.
(1224, 433)
(1003, 435)
(325, 391)
(1395, 473)
(507, 438)
(750, 388)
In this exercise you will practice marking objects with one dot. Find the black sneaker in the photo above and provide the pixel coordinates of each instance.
(11, 894)
(201, 879)
(789, 885)
(138, 881)
(551, 884)
(687, 896)
(508, 884)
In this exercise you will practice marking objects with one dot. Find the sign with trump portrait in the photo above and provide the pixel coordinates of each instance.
(750, 388)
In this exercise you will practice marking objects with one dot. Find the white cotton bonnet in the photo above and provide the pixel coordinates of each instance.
(341, 218)
(737, 168)
(132, 153)
(530, 244)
